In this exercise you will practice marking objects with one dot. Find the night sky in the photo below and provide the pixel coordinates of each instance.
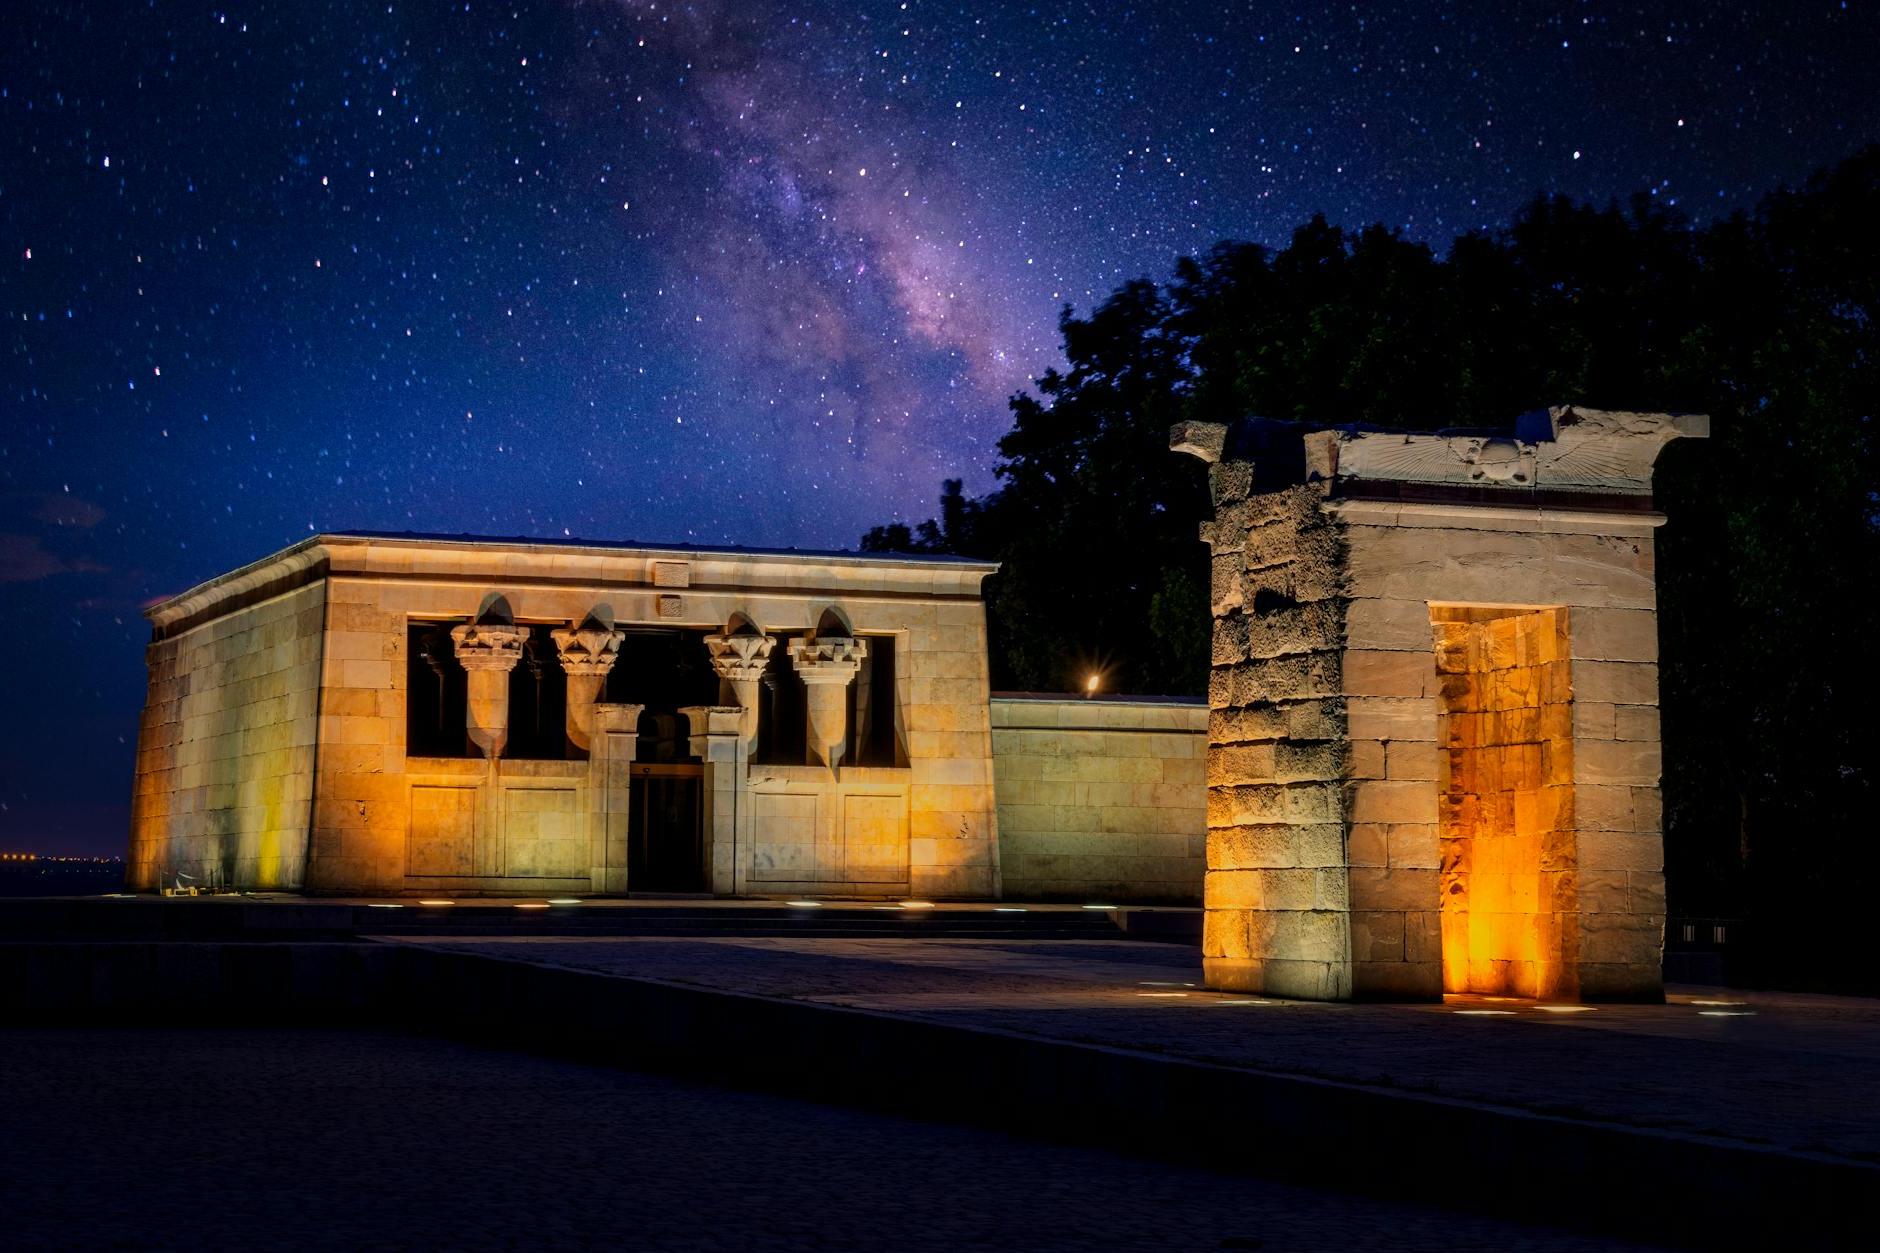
(719, 272)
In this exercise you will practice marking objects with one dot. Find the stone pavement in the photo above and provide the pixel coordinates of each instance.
(1790, 1071)
(317, 1140)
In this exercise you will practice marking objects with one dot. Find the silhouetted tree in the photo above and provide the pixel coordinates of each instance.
(1767, 566)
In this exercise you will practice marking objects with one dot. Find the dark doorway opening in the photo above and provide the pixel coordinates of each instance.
(666, 828)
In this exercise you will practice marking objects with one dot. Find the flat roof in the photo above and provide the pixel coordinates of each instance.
(642, 546)
(297, 560)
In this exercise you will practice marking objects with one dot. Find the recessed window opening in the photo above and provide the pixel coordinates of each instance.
(538, 701)
(874, 726)
(782, 709)
(437, 693)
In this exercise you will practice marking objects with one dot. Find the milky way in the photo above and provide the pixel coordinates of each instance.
(732, 271)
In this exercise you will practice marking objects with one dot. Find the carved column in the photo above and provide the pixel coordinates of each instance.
(616, 733)
(488, 651)
(740, 661)
(714, 741)
(827, 665)
(587, 654)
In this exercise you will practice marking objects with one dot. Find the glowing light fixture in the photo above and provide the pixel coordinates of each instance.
(1565, 1009)
(1008, 909)
(382, 905)
(1090, 684)
(1161, 994)
(1099, 907)
(916, 904)
(435, 904)
(804, 904)
(531, 904)
(563, 900)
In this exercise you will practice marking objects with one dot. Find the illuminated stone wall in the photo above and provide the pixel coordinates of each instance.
(1509, 885)
(363, 815)
(1101, 800)
(1277, 889)
(1357, 787)
(225, 749)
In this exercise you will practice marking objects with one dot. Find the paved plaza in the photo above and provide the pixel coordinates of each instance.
(260, 1140)
(1791, 1071)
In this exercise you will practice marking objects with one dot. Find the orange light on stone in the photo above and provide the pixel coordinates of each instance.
(1509, 881)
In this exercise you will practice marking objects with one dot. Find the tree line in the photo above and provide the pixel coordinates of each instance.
(1769, 582)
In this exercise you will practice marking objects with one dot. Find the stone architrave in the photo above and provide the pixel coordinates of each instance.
(827, 665)
(488, 651)
(740, 661)
(587, 654)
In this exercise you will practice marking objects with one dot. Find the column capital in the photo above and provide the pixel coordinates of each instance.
(828, 658)
(740, 657)
(488, 645)
(588, 650)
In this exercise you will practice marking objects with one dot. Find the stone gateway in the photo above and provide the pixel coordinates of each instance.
(1433, 759)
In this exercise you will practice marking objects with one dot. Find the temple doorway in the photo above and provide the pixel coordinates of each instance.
(665, 828)
(1509, 875)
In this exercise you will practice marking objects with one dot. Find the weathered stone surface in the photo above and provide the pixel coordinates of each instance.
(1462, 691)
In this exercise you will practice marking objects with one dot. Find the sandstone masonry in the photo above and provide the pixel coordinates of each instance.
(1433, 761)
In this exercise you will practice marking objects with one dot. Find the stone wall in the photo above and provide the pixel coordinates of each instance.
(1505, 788)
(384, 821)
(1412, 565)
(1101, 800)
(1277, 888)
(1434, 758)
(225, 750)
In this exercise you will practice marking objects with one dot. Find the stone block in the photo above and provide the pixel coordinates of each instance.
(1393, 802)
(1247, 725)
(1376, 937)
(1631, 762)
(1394, 889)
(1260, 889)
(1379, 672)
(1225, 974)
(1374, 623)
(1636, 722)
(1411, 760)
(1616, 682)
(1629, 635)
(1395, 980)
(1619, 850)
(1392, 718)
(1224, 934)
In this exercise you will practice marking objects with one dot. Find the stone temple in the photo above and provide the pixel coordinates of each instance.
(1428, 761)
(420, 715)
(1433, 714)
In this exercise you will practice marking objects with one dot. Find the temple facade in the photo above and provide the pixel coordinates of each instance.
(403, 715)
(1434, 758)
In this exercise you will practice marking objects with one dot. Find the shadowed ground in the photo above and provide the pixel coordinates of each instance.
(1793, 1071)
(270, 1139)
